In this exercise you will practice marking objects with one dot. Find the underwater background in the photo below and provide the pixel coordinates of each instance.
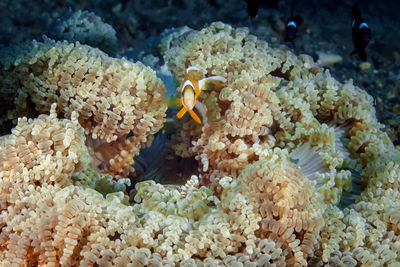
(295, 162)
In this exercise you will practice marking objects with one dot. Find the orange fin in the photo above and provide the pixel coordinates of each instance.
(181, 113)
(194, 116)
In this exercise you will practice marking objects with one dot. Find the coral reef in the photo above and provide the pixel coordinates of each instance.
(273, 98)
(67, 221)
(291, 213)
(295, 103)
(113, 97)
(232, 116)
(86, 28)
(256, 199)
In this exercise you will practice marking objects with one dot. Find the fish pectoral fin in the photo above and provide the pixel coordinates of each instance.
(299, 20)
(181, 113)
(194, 116)
(173, 102)
(213, 83)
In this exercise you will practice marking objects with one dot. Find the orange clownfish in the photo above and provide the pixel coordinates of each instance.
(191, 88)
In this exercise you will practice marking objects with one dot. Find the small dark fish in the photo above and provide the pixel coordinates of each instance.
(291, 27)
(253, 5)
(361, 34)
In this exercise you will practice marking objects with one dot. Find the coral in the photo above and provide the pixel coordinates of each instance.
(290, 210)
(272, 98)
(170, 36)
(241, 116)
(43, 151)
(105, 184)
(365, 234)
(113, 97)
(37, 158)
(278, 146)
(295, 102)
(86, 28)
(51, 217)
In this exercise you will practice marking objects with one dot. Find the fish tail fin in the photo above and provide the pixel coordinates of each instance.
(362, 54)
(173, 102)
(356, 11)
(181, 113)
(213, 83)
(194, 116)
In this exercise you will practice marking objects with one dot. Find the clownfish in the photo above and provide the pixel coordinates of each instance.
(191, 88)
(253, 5)
(292, 23)
(361, 34)
(291, 27)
